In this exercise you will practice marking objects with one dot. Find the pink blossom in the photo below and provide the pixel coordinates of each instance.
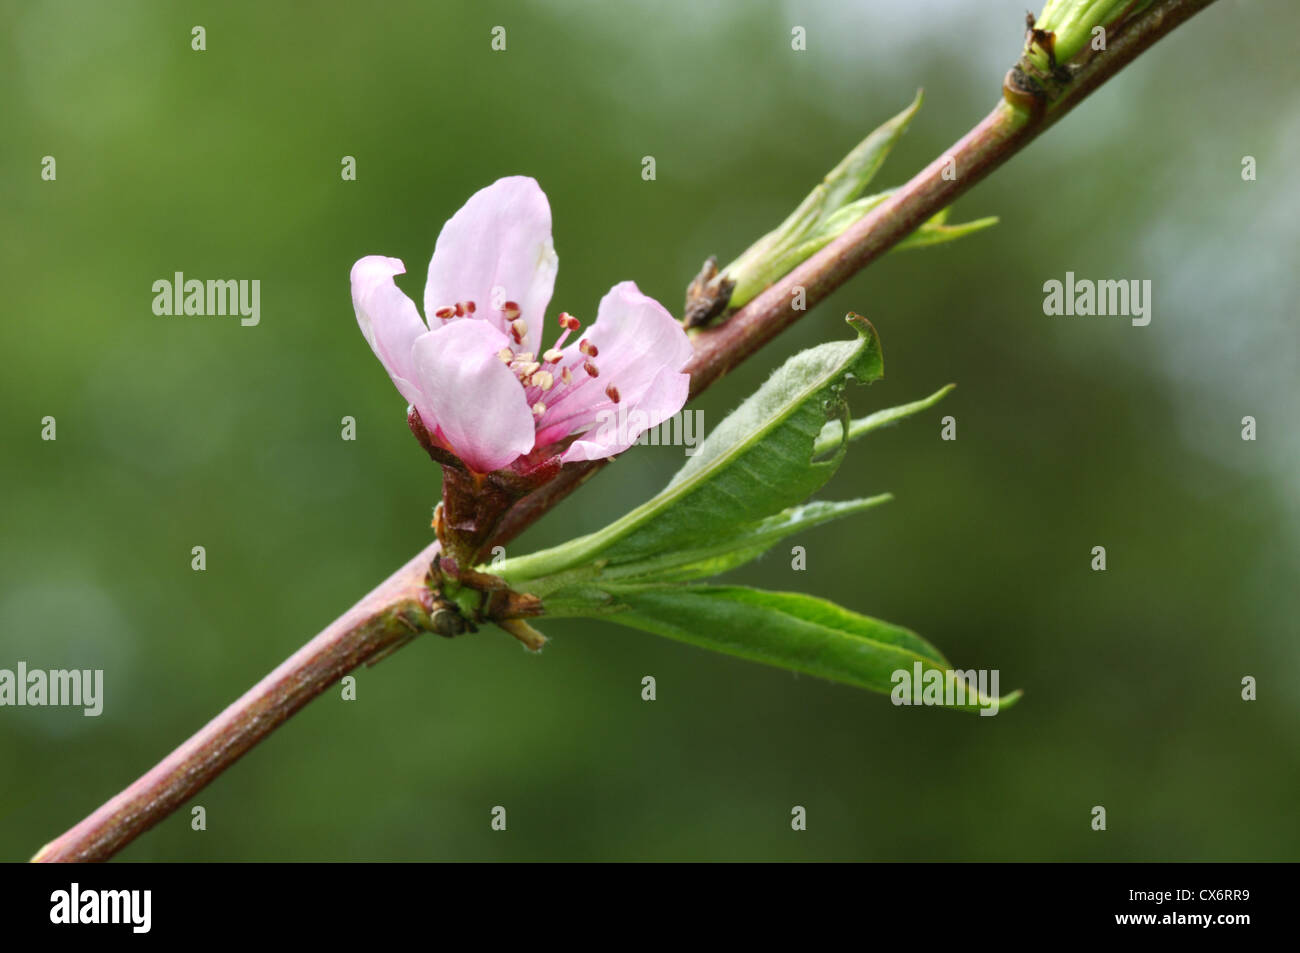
(476, 375)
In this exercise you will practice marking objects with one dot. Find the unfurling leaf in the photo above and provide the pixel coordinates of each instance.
(824, 214)
(830, 435)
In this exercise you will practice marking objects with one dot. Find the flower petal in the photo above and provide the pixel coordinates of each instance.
(636, 337)
(388, 318)
(618, 426)
(497, 248)
(639, 351)
(475, 399)
(636, 340)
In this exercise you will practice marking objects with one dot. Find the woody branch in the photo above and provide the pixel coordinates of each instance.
(399, 608)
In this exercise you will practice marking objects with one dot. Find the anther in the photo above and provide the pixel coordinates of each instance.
(569, 322)
(506, 355)
(444, 313)
(460, 310)
(471, 307)
(566, 376)
(538, 409)
(591, 368)
(518, 329)
(587, 348)
(553, 356)
(511, 310)
(612, 393)
(543, 379)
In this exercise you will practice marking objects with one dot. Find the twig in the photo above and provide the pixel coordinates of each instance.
(1000, 135)
(393, 614)
(398, 609)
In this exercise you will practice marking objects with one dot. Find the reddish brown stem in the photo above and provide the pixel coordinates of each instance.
(1000, 135)
(394, 612)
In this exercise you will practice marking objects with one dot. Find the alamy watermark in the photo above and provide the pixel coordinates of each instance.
(952, 688)
(55, 688)
(1125, 297)
(683, 429)
(131, 908)
(215, 297)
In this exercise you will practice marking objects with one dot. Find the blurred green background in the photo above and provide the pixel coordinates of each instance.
(1072, 432)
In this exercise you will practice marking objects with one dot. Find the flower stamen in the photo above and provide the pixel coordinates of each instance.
(568, 324)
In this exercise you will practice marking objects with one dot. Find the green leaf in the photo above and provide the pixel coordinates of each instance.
(842, 219)
(783, 259)
(779, 250)
(842, 185)
(757, 462)
(934, 232)
(788, 630)
(740, 494)
(849, 179)
(831, 434)
(710, 558)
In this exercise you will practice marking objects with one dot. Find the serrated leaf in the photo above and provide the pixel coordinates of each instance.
(788, 630)
(757, 462)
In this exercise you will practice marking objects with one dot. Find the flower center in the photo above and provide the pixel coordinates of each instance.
(552, 382)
